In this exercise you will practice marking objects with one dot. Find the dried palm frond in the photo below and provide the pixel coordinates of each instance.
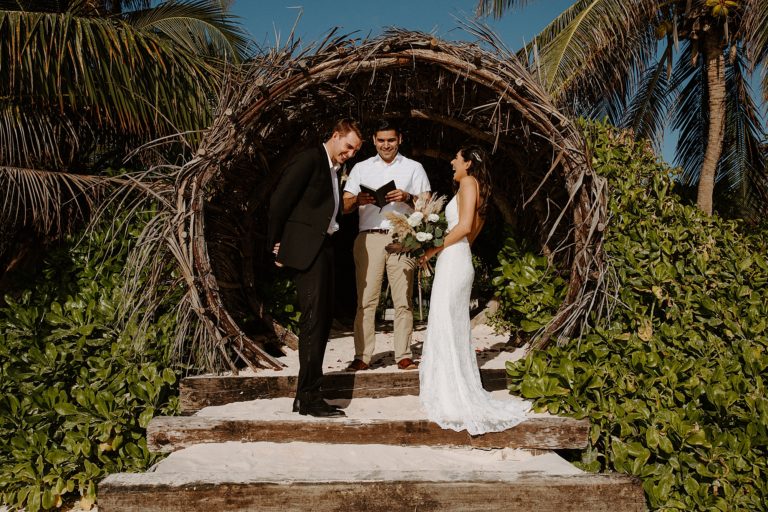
(400, 226)
(429, 204)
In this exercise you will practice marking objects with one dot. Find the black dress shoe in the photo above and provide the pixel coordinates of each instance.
(297, 405)
(320, 409)
(332, 406)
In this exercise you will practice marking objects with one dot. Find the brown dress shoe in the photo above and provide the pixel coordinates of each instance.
(357, 365)
(407, 364)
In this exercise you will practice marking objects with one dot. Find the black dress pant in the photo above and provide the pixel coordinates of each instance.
(316, 301)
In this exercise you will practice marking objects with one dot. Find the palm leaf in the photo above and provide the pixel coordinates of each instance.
(498, 7)
(596, 47)
(611, 106)
(111, 75)
(690, 114)
(202, 27)
(742, 164)
(755, 35)
(646, 114)
(31, 138)
(42, 198)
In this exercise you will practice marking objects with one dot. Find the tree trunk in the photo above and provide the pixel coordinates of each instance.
(715, 63)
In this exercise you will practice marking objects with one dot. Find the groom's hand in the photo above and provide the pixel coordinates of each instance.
(275, 250)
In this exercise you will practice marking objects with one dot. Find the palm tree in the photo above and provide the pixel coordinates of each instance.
(644, 63)
(83, 81)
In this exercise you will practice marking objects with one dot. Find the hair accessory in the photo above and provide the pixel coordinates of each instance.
(476, 156)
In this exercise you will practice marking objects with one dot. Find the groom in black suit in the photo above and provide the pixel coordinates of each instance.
(303, 215)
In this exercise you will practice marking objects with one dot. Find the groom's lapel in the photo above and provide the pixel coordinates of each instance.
(340, 180)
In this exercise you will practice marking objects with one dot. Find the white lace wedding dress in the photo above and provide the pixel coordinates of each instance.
(451, 391)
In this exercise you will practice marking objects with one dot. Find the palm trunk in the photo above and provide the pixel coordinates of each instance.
(715, 63)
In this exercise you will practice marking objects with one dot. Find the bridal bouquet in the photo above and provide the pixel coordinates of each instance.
(426, 227)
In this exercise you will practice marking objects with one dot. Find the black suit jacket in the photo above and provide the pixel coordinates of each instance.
(301, 208)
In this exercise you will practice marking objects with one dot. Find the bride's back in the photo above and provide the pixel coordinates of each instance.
(478, 221)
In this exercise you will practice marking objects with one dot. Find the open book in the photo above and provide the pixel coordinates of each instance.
(380, 194)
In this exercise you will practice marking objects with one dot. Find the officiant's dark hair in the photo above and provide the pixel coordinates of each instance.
(383, 125)
(479, 169)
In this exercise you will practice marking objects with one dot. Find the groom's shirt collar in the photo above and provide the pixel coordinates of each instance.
(334, 167)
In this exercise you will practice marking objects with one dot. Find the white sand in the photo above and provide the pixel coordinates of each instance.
(395, 408)
(299, 461)
(491, 349)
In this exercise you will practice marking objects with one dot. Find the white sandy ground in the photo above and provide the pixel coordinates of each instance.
(396, 408)
(491, 348)
(306, 462)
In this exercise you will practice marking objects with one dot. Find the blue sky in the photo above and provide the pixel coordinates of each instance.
(270, 21)
(263, 18)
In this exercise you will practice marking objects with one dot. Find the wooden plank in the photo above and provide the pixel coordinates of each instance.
(171, 433)
(203, 391)
(157, 492)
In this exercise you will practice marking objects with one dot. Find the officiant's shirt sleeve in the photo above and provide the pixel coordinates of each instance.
(420, 180)
(352, 184)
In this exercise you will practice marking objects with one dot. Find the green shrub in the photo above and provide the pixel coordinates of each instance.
(77, 386)
(674, 382)
(528, 289)
(283, 302)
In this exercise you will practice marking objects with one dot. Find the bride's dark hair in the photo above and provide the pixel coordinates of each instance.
(479, 170)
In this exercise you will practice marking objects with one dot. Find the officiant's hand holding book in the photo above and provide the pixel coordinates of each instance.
(379, 195)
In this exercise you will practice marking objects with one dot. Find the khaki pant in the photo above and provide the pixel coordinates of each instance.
(371, 260)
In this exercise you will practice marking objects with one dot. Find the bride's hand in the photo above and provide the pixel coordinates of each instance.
(428, 255)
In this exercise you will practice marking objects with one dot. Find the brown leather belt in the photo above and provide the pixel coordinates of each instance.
(380, 231)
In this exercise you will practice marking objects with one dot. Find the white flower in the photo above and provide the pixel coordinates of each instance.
(415, 219)
(423, 237)
(433, 217)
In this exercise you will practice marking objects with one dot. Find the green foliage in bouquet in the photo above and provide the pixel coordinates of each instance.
(77, 385)
(674, 382)
(424, 228)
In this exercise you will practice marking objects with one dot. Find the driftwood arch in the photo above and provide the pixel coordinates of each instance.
(444, 93)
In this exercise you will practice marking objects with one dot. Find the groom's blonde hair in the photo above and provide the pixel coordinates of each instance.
(345, 125)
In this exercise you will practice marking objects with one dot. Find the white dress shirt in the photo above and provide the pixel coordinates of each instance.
(409, 175)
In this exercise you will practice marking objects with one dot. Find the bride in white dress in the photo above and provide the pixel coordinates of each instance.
(451, 391)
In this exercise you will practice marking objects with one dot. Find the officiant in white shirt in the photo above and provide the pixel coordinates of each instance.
(371, 258)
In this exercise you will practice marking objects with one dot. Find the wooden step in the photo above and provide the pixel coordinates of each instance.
(301, 476)
(206, 390)
(171, 433)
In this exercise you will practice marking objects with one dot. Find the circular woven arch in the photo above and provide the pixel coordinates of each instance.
(445, 94)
